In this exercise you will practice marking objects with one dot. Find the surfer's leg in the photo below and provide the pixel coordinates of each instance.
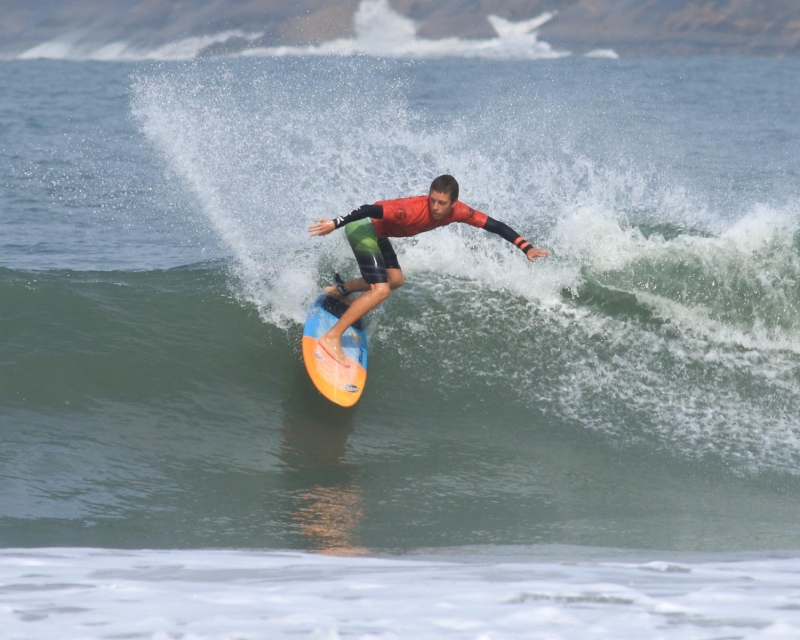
(396, 278)
(392, 264)
(374, 281)
(357, 310)
(359, 285)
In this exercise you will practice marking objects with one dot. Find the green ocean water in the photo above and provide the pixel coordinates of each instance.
(638, 390)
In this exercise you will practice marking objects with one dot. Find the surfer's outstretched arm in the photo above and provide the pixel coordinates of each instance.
(506, 232)
(324, 227)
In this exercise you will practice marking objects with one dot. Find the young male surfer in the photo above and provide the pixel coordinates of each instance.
(368, 230)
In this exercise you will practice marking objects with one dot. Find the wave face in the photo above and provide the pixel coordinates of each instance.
(654, 356)
(657, 318)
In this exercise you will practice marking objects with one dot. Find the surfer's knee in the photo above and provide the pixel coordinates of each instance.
(381, 290)
(396, 278)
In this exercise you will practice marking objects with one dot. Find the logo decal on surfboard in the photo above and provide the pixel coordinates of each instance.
(351, 388)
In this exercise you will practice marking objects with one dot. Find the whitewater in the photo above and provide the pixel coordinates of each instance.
(75, 593)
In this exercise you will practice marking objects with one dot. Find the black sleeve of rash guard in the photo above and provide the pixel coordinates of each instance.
(364, 211)
(507, 233)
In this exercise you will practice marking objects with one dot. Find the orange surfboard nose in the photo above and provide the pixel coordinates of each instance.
(339, 384)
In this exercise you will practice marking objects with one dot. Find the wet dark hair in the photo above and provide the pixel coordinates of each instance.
(446, 184)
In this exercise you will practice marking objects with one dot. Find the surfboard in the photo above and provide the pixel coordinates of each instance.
(339, 384)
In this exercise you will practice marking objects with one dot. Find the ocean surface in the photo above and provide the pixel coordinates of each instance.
(602, 444)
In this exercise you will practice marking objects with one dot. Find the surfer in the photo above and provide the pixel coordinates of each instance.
(368, 230)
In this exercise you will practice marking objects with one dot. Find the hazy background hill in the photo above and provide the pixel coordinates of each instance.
(631, 27)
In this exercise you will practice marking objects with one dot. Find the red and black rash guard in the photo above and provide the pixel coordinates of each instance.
(407, 217)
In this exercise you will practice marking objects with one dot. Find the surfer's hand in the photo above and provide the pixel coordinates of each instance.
(534, 253)
(321, 227)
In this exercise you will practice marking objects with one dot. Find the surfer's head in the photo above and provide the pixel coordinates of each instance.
(443, 196)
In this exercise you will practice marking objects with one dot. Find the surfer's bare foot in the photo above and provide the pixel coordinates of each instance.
(333, 292)
(333, 348)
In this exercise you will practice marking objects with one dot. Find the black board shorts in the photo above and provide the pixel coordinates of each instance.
(374, 255)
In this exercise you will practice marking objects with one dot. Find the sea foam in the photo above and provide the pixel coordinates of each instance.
(96, 593)
(381, 31)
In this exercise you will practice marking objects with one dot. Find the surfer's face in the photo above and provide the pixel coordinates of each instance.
(439, 204)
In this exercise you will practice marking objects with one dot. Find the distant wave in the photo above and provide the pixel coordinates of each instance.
(379, 31)
(77, 47)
